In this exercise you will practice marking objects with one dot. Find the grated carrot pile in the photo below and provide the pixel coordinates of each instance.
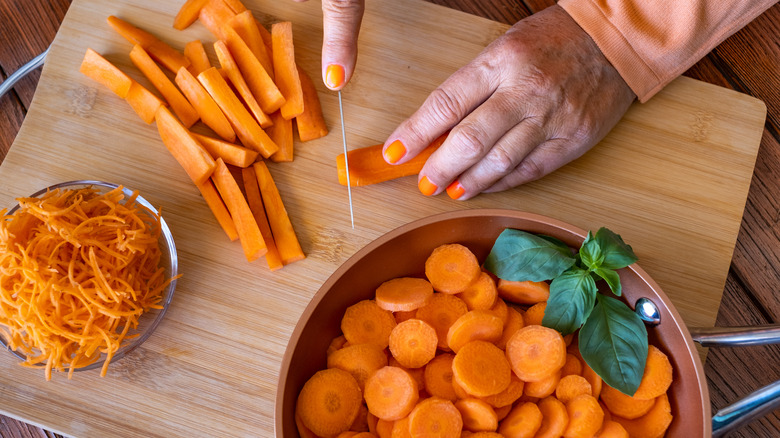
(77, 270)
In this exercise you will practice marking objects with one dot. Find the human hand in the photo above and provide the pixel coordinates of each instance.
(538, 97)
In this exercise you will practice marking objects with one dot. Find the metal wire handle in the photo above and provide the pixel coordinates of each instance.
(23, 71)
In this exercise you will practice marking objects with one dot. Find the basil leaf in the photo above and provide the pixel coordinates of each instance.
(613, 341)
(520, 256)
(572, 295)
(615, 253)
(590, 253)
(612, 278)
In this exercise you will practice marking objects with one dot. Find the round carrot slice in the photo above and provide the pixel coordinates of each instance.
(360, 360)
(477, 415)
(511, 394)
(481, 369)
(555, 418)
(451, 268)
(542, 388)
(365, 322)
(441, 312)
(657, 376)
(482, 294)
(391, 393)
(653, 424)
(585, 417)
(403, 294)
(612, 429)
(624, 405)
(329, 402)
(522, 422)
(536, 352)
(438, 377)
(514, 322)
(413, 343)
(571, 386)
(476, 325)
(435, 417)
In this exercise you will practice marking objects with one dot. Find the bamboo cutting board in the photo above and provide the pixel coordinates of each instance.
(672, 179)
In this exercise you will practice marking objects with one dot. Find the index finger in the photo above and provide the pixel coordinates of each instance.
(341, 25)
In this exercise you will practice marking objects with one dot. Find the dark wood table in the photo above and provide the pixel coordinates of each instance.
(747, 62)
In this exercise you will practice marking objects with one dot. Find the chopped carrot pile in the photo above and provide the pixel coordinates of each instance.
(472, 359)
(77, 270)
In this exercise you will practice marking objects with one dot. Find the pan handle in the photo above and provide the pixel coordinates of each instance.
(736, 336)
(754, 405)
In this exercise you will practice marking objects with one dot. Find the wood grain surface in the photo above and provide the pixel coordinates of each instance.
(748, 295)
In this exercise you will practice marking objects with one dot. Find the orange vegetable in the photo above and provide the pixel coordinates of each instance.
(229, 66)
(401, 316)
(281, 132)
(303, 431)
(534, 314)
(594, 379)
(435, 417)
(217, 206)
(451, 268)
(501, 413)
(361, 422)
(413, 343)
(285, 71)
(186, 150)
(230, 153)
(544, 387)
(187, 14)
(477, 415)
(365, 322)
(418, 374)
(536, 352)
(384, 428)
(501, 310)
(403, 293)
(255, 201)
(481, 294)
(481, 369)
(281, 227)
(311, 123)
(653, 424)
(265, 34)
(441, 311)
(204, 105)
(329, 402)
(522, 421)
(260, 82)
(391, 393)
(235, 5)
(513, 323)
(571, 386)
(367, 165)
(336, 344)
(101, 70)
(473, 326)
(585, 417)
(199, 60)
(400, 429)
(438, 377)
(624, 405)
(360, 360)
(555, 418)
(657, 376)
(612, 429)
(511, 394)
(143, 102)
(523, 292)
(161, 52)
(248, 29)
(214, 15)
(248, 231)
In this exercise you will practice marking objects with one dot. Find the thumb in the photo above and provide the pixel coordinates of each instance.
(341, 25)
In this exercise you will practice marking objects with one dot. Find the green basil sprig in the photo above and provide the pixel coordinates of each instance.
(612, 338)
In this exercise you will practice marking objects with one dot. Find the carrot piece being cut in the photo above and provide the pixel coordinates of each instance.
(438, 377)
(413, 343)
(481, 369)
(475, 325)
(482, 294)
(186, 150)
(536, 352)
(204, 104)
(477, 415)
(585, 417)
(187, 14)
(366, 322)
(179, 104)
(248, 29)
(101, 70)
(281, 132)
(199, 59)
(360, 360)
(234, 75)
(524, 420)
(231, 153)
(451, 268)
(248, 231)
(161, 52)
(263, 87)
(329, 402)
(403, 294)
(391, 393)
(435, 417)
(555, 418)
(523, 292)
(284, 234)
(255, 201)
(441, 311)
(310, 123)
(217, 206)
(143, 102)
(285, 71)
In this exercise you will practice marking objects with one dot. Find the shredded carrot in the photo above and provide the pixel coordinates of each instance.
(78, 269)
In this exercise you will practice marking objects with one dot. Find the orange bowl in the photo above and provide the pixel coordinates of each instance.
(403, 251)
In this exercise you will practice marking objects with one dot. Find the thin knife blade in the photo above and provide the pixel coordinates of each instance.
(346, 160)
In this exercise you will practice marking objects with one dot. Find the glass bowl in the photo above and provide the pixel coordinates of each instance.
(149, 320)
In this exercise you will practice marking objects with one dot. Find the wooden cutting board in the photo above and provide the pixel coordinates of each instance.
(672, 179)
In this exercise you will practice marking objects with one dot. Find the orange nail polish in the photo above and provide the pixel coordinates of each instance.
(426, 187)
(334, 76)
(395, 152)
(455, 190)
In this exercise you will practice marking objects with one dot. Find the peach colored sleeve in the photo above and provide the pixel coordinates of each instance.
(651, 42)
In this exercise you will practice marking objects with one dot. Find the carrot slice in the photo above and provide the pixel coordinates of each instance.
(186, 150)
(143, 102)
(310, 123)
(438, 377)
(523, 292)
(612, 429)
(403, 293)
(187, 14)
(255, 201)
(336, 344)
(573, 365)
(401, 316)
(571, 386)
(248, 231)
(101, 70)
(360, 360)
(329, 402)
(536, 352)
(204, 104)
(263, 87)
(199, 60)
(231, 68)
(214, 15)
(523, 421)
(248, 29)
(230, 153)
(481, 294)
(303, 431)
(657, 376)
(651, 425)
(511, 394)
(435, 417)
(472, 326)
(281, 132)
(451, 268)
(284, 234)
(441, 311)
(535, 314)
(481, 369)
(555, 418)
(501, 310)
(594, 379)
(368, 166)
(361, 422)
(544, 387)
(366, 322)
(585, 417)
(217, 206)
(413, 343)
(166, 55)
(514, 322)
(624, 405)
(501, 413)
(418, 374)
(477, 415)
(285, 71)
(245, 126)
(384, 428)
(400, 429)
(391, 393)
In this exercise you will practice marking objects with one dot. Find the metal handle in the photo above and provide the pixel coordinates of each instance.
(22, 72)
(755, 405)
(736, 336)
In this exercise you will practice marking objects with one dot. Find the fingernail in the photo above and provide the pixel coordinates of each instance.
(334, 76)
(395, 152)
(426, 187)
(455, 190)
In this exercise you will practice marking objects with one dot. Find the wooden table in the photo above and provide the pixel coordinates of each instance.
(746, 62)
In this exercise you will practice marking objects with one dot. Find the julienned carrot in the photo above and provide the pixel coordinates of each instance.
(186, 150)
(255, 201)
(391, 393)
(653, 424)
(234, 75)
(555, 418)
(284, 234)
(196, 53)
(514, 322)
(365, 322)
(624, 405)
(482, 294)
(441, 311)
(451, 268)
(204, 104)
(475, 325)
(179, 104)
(657, 376)
(571, 386)
(285, 71)
(248, 231)
(612, 429)
(544, 387)
(523, 292)
(281, 132)
(217, 206)
(248, 29)
(435, 417)
(143, 102)
(368, 166)
(511, 394)
(310, 123)
(214, 15)
(524, 420)
(103, 71)
(231, 153)
(187, 14)
(585, 417)
(438, 377)
(360, 360)
(243, 123)
(329, 402)
(477, 415)
(263, 87)
(536, 352)
(403, 294)
(481, 369)
(166, 55)
(413, 343)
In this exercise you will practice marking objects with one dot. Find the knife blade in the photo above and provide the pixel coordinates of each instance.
(346, 160)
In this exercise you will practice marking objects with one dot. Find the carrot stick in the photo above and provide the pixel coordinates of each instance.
(281, 132)
(236, 6)
(187, 14)
(229, 66)
(243, 123)
(511, 394)
(214, 15)
(653, 424)
(217, 206)
(477, 415)
(441, 311)
(438, 377)
(657, 376)
(284, 234)
(451, 268)
(555, 418)
(482, 294)
(571, 386)
(524, 420)
(179, 104)
(435, 417)
(311, 123)
(413, 343)
(329, 402)
(403, 294)
(204, 104)
(246, 27)
(391, 393)
(248, 231)
(101, 70)
(360, 360)
(481, 369)
(367, 165)
(585, 417)
(255, 202)
(199, 59)
(263, 87)
(536, 352)
(514, 322)
(186, 150)
(474, 325)
(161, 52)
(624, 405)
(230, 153)
(143, 102)
(285, 72)
(266, 36)
(365, 322)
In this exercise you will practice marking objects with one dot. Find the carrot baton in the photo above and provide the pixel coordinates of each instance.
(143, 102)
(230, 153)
(311, 124)
(285, 71)
(188, 13)
(239, 83)
(204, 104)
(166, 55)
(188, 152)
(259, 80)
(255, 201)
(248, 29)
(196, 53)
(281, 132)
(217, 206)
(214, 15)
(282, 228)
(99, 69)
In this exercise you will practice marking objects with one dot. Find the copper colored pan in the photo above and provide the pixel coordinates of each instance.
(402, 252)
